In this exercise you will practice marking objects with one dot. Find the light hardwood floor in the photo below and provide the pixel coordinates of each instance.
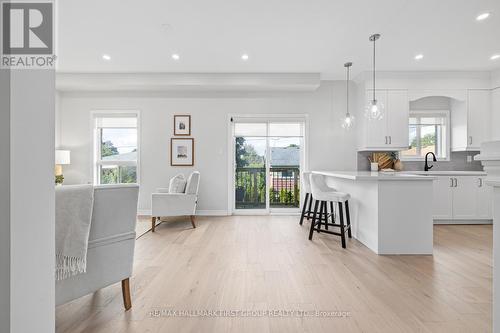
(264, 263)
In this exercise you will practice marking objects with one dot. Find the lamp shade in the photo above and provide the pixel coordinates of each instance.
(62, 157)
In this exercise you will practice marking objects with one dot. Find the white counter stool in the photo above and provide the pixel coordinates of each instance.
(324, 194)
(308, 200)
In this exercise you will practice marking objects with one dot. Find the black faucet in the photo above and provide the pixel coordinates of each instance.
(427, 167)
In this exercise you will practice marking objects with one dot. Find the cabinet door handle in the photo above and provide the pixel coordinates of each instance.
(456, 182)
(451, 182)
(480, 182)
(386, 139)
(470, 140)
(390, 139)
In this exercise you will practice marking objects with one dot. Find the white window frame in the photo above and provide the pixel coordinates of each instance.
(430, 113)
(304, 159)
(96, 140)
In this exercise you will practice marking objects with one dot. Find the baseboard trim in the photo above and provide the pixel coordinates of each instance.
(463, 221)
(210, 212)
(205, 212)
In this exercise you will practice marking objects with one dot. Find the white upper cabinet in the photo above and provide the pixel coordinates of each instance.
(391, 132)
(470, 120)
(397, 120)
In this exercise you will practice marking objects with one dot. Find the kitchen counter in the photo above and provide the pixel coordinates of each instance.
(373, 175)
(390, 213)
(445, 173)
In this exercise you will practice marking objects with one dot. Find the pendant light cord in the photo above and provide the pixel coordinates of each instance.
(374, 40)
(347, 89)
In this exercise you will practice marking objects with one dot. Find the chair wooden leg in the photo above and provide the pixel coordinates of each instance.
(342, 230)
(313, 222)
(304, 209)
(309, 208)
(320, 217)
(192, 221)
(348, 217)
(153, 223)
(326, 215)
(332, 210)
(127, 301)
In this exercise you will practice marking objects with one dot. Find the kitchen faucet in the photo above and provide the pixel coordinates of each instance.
(427, 167)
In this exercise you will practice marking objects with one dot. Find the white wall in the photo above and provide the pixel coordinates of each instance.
(5, 200)
(27, 202)
(495, 105)
(330, 147)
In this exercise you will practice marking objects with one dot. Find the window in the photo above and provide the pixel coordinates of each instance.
(116, 148)
(428, 132)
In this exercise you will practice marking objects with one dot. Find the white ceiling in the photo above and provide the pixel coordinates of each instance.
(279, 35)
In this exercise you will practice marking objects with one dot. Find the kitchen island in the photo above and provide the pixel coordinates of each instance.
(390, 213)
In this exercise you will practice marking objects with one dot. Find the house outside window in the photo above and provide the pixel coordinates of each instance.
(116, 147)
(428, 132)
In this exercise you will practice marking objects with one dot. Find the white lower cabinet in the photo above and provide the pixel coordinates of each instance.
(443, 198)
(484, 195)
(462, 198)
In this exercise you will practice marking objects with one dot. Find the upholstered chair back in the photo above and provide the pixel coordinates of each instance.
(193, 183)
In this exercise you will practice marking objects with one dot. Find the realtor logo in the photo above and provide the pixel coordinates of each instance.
(27, 34)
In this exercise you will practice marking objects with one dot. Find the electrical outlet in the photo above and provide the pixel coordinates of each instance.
(469, 159)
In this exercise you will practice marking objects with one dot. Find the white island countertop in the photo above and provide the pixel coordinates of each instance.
(391, 213)
(373, 175)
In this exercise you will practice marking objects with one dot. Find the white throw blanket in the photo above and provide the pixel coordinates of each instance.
(73, 217)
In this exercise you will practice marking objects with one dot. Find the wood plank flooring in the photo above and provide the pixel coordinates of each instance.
(267, 263)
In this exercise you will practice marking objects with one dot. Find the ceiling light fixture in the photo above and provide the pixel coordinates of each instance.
(348, 120)
(482, 16)
(374, 109)
(495, 57)
(175, 56)
(419, 57)
(244, 57)
(106, 57)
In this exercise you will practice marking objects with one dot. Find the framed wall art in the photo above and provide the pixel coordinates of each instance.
(182, 125)
(181, 152)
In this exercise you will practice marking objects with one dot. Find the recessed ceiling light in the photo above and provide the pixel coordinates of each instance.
(106, 57)
(495, 57)
(419, 57)
(244, 57)
(482, 16)
(175, 56)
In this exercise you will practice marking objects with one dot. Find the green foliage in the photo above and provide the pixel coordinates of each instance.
(107, 149)
(59, 179)
(119, 175)
(427, 140)
(240, 153)
(116, 175)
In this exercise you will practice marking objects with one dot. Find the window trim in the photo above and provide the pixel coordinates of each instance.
(421, 113)
(117, 113)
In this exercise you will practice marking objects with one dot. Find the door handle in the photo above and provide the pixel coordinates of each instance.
(480, 182)
(386, 139)
(470, 140)
(390, 139)
(451, 182)
(456, 182)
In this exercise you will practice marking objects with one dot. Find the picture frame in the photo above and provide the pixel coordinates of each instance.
(182, 125)
(181, 151)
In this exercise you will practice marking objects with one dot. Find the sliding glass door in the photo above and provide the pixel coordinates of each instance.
(267, 161)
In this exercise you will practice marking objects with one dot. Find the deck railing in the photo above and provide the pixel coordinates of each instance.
(250, 187)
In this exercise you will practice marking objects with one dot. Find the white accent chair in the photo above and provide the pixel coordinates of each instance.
(165, 204)
(110, 253)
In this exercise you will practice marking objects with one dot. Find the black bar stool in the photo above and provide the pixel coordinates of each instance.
(324, 194)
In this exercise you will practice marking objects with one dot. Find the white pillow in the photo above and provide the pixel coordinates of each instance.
(177, 184)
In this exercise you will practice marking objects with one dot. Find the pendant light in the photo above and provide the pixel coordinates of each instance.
(374, 109)
(348, 120)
